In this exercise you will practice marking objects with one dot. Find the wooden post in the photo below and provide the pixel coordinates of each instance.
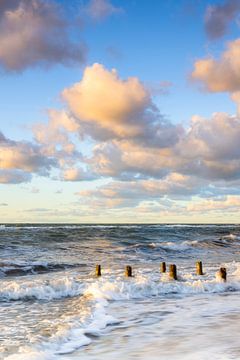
(173, 271)
(163, 267)
(199, 270)
(128, 271)
(223, 273)
(98, 270)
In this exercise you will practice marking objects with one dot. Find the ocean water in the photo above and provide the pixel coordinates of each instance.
(52, 306)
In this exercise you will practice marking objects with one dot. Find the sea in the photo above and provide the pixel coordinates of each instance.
(53, 306)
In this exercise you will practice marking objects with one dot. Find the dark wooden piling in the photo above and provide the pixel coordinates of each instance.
(199, 269)
(98, 270)
(223, 273)
(128, 271)
(173, 271)
(163, 267)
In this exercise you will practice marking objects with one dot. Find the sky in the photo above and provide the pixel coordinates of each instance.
(119, 111)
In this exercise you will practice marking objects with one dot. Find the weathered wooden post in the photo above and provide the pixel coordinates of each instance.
(163, 267)
(173, 271)
(98, 270)
(128, 271)
(223, 273)
(199, 270)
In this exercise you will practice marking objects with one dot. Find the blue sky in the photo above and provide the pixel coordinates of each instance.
(155, 140)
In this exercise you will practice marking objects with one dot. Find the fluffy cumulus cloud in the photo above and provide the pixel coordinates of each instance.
(101, 9)
(220, 75)
(218, 17)
(18, 160)
(29, 35)
(130, 139)
(208, 148)
(108, 107)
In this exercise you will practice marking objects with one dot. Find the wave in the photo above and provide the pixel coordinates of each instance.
(67, 340)
(112, 287)
(40, 290)
(230, 237)
(100, 291)
(184, 245)
(18, 269)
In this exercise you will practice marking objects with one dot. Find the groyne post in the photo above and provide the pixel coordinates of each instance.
(98, 270)
(223, 273)
(173, 271)
(199, 269)
(128, 271)
(163, 267)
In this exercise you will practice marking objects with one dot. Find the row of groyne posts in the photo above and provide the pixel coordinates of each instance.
(172, 271)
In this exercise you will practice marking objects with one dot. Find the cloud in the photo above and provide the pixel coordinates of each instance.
(219, 17)
(35, 190)
(126, 160)
(59, 191)
(159, 88)
(125, 113)
(208, 149)
(8, 5)
(23, 156)
(14, 176)
(54, 137)
(3, 204)
(229, 204)
(19, 160)
(101, 9)
(127, 194)
(151, 197)
(36, 32)
(76, 174)
(220, 75)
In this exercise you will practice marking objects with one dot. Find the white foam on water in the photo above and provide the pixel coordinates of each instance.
(19, 289)
(117, 287)
(73, 334)
(232, 237)
(184, 245)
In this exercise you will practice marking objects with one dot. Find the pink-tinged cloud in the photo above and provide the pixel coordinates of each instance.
(29, 36)
(220, 75)
(208, 149)
(77, 174)
(108, 107)
(101, 9)
(228, 203)
(22, 157)
(218, 18)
